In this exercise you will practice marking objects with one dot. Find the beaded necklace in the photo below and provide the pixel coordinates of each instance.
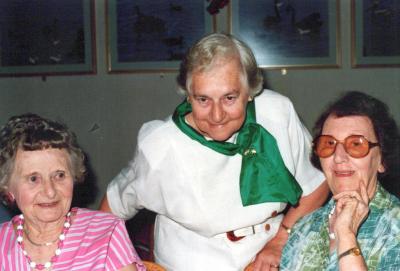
(61, 238)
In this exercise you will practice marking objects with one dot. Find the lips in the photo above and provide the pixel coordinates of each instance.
(343, 173)
(48, 204)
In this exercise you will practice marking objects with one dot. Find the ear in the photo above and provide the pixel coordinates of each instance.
(381, 168)
(8, 199)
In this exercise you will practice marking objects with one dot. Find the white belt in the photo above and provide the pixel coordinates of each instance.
(253, 229)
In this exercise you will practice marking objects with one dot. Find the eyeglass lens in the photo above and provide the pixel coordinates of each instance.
(356, 146)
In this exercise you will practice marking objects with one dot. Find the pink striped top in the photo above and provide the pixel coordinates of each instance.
(95, 241)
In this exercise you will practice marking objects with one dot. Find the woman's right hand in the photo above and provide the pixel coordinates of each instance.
(351, 210)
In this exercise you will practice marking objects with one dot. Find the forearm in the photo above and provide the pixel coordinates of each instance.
(104, 206)
(349, 262)
(306, 205)
(271, 253)
(130, 267)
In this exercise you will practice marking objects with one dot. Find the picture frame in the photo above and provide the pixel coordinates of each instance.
(289, 34)
(152, 36)
(48, 37)
(375, 28)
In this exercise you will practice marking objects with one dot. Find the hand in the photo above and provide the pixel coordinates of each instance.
(351, 210)
(269, 257)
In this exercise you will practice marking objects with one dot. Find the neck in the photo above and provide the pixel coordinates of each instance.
(42, 233)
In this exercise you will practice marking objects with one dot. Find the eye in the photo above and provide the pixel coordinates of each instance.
(202, 100)
(330, 143)
(59, 176)
(231, 98)
(356, 143)
(33, 178)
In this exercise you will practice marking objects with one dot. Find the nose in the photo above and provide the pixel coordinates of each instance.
(340, 154)
(49, 189)
(217, 113)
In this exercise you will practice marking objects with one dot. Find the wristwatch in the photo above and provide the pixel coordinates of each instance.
(355, 251)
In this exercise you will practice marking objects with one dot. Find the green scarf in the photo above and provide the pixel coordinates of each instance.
(264, 176)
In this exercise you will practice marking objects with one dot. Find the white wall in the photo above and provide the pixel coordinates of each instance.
(120, 103)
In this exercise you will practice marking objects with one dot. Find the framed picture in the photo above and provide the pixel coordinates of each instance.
(375, 33)
(146, 36)
(289, 34)
(47, 37)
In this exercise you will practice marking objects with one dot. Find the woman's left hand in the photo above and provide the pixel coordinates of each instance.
(351, 210)
(269, 257)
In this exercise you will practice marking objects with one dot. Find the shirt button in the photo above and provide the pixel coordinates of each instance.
(274, 214)
(267, 227)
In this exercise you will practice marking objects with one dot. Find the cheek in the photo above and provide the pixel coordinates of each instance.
(199, 113)
(67, 188)
(236, 113)
(24, 196)
(325, 165)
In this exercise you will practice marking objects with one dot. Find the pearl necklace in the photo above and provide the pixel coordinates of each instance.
(331, 234)
(61, 238)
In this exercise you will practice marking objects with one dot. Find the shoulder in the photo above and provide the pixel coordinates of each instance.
(157, 132)
(155, 127)
(273, 107)
(94, 218)
(393, 215)
(5, 227)
(384, 217)
(273, 100)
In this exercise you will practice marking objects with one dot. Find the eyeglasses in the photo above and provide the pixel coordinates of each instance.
(357, 146)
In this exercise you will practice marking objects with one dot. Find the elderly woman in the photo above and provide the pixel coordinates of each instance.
(39, 163)
(221, 170)
(357, 147)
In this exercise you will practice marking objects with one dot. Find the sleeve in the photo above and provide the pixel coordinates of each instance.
(138, 185)
(121, 192)
(121, 251)
(305, 173)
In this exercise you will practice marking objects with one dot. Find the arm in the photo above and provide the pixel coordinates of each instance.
(120, 251)
(271, 253)
(351, 210)
(104, 206)
(130, 267)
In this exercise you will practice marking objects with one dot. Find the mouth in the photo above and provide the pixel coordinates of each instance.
(48, 204)
(343, 173)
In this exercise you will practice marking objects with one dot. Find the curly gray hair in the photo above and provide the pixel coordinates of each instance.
(31, 132)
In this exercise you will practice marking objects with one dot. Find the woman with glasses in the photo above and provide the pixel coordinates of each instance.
(357, 148)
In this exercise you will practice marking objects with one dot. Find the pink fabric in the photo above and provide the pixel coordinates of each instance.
(95, 241)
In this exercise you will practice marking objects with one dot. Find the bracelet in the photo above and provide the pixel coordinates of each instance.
(287, 229)
(355, 251)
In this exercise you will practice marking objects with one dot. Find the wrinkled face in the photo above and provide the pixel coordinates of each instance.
(42, 184)
(344, 172)
(218, 97)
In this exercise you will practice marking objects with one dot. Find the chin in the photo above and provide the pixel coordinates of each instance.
(220, 137)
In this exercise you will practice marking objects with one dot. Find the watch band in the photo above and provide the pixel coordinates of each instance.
(355, 251)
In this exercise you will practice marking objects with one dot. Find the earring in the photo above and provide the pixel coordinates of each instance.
(8, 199)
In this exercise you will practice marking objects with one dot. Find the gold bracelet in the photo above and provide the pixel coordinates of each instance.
(287, 229)
(355, 251)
